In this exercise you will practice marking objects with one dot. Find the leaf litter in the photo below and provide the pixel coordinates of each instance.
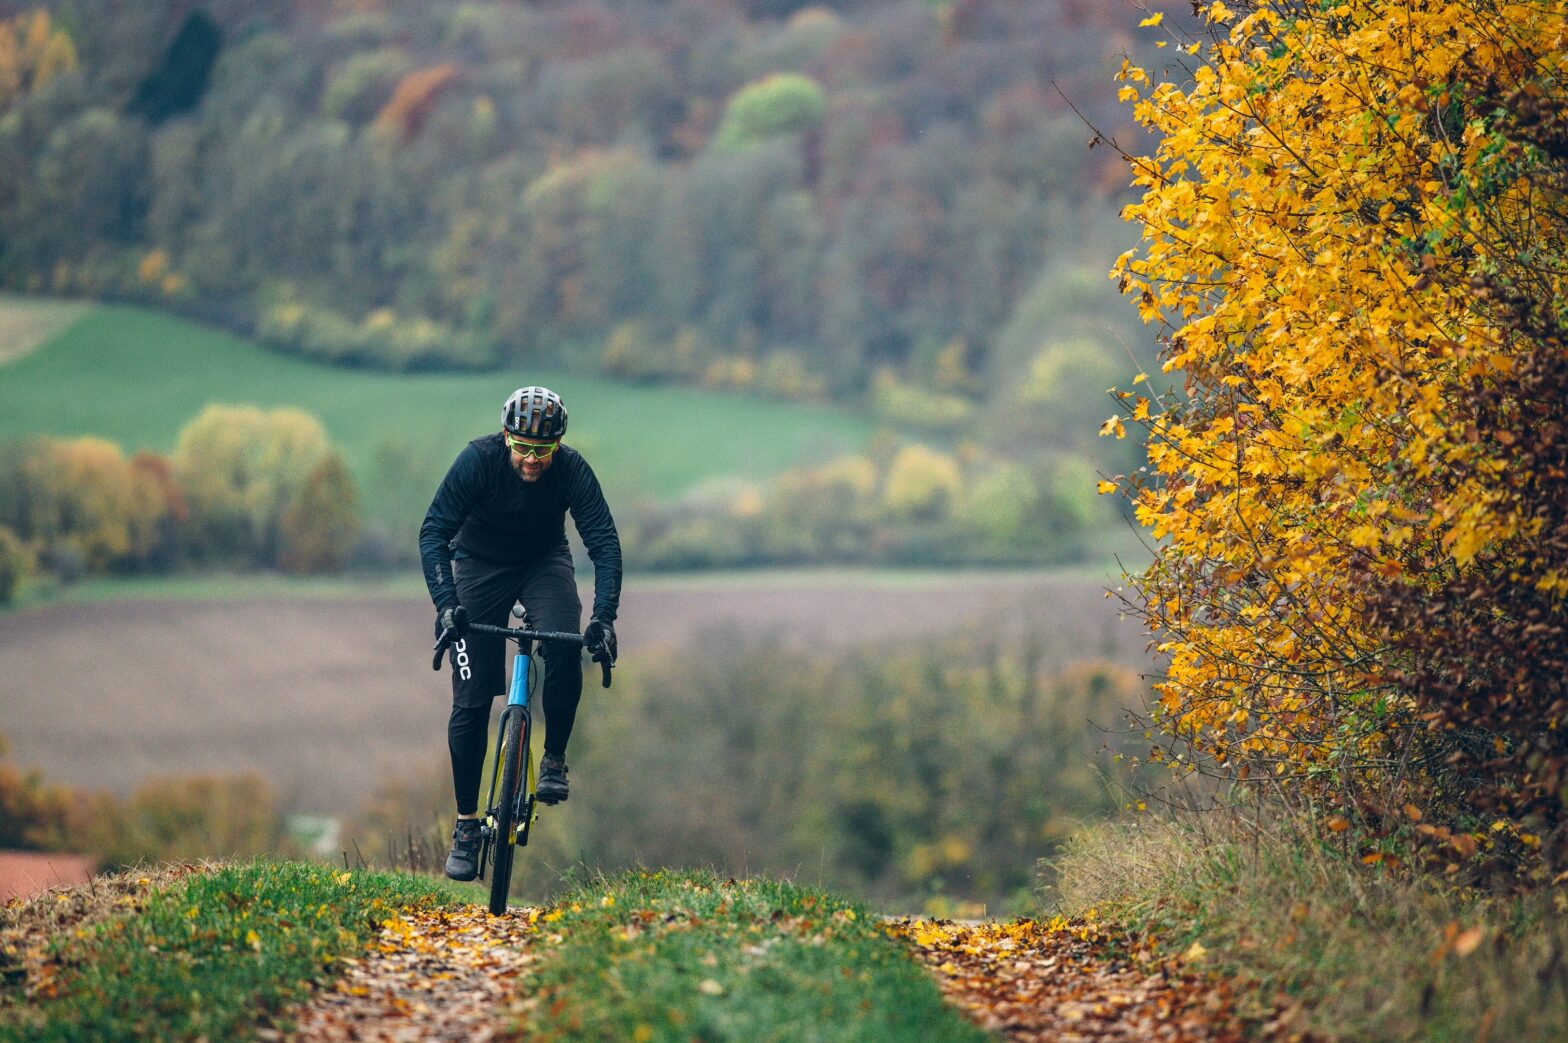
(440, 974)
(1078, 981)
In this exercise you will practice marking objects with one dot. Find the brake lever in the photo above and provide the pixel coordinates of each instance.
(442, 644)
(605, 665)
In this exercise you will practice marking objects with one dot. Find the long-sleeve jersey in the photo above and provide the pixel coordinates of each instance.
(485, 510)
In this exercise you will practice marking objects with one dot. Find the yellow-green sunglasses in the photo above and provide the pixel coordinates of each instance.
(529, 449)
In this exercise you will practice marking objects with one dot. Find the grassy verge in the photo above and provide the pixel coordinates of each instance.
(1363, 952)
(208, 956)
(680, 956)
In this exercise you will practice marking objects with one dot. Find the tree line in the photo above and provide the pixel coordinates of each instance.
(774, 195)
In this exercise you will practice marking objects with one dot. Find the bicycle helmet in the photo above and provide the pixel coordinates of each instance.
(534, 412)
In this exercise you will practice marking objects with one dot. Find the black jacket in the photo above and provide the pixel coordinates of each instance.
(484, 510)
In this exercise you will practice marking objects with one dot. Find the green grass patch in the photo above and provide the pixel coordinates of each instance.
(681, 956)
(137, 377)
(1361, 951)
(213, 955)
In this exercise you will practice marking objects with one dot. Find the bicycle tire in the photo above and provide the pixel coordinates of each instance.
(503, 849)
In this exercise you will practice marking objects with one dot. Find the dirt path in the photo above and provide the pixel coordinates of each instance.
(441, 975)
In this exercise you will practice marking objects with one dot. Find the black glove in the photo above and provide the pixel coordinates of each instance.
(456, 618)
(599, 639)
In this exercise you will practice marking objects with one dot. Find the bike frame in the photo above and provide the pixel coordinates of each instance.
(517, 702)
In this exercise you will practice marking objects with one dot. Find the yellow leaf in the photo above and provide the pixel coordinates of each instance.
(1468, 941)
(1105, 487)
(1154, 19)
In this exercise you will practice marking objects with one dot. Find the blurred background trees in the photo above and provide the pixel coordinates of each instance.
(840, 191)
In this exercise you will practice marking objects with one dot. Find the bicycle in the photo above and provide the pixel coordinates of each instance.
(512, 807)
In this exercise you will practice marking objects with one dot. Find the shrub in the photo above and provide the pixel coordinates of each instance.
(243, 469)
(783, 103)
(15, 563)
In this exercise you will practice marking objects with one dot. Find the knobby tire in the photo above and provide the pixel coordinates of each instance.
(506, 811)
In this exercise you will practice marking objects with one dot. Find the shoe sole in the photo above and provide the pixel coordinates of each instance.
(462, 878)
(551, 799)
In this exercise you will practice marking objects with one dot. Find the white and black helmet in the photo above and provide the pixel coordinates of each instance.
(534, 412)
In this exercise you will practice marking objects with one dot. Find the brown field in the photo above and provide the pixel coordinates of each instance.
(327, 698)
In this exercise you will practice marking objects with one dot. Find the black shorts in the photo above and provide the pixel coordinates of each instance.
(547, 587)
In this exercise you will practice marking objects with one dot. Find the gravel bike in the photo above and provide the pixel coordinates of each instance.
(512, 807)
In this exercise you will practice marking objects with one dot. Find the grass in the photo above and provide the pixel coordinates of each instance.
(137, 377)
(213, 954)
(1361, 952)
(680, 956)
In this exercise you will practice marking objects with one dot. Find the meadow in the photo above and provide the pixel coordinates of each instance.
(137, 377)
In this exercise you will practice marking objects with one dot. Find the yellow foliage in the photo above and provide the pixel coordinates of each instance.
(1319, 202)
(154, 266)
(32, 52)
(243, 468)
(921, 482)
(86, 497)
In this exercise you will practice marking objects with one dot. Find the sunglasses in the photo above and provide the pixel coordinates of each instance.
(529, 450)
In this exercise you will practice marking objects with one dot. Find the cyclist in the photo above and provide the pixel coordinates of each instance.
(495, 534)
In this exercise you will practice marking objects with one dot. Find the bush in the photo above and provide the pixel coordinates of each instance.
(182, 818)
(253, 476)
(383, 338)
(80, 500)
(783, 103)
(320, 527)
(15, 563)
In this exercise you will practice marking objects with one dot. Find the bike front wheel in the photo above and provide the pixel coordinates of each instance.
(503, 848)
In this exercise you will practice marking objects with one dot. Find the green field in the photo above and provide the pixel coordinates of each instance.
(137, 377)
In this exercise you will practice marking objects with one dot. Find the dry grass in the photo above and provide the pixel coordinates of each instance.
(27, 323)
(1361, 952)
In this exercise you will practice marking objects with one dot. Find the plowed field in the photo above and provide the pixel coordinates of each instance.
(326, 697)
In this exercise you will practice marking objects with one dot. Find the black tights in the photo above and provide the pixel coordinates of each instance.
(467, 730)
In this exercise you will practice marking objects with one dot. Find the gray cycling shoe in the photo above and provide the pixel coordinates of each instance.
(552, 779)
(463, 862)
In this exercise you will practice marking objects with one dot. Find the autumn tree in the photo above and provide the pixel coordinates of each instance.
(32, 52)
(318, 529)
(81, 498)
(1354, 230)
(243, 469)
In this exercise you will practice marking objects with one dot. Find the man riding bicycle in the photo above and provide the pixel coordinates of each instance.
(495, 534)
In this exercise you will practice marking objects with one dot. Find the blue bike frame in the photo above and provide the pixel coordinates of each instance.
(517, 702)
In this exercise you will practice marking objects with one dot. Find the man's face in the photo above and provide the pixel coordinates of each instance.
(531, 457)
